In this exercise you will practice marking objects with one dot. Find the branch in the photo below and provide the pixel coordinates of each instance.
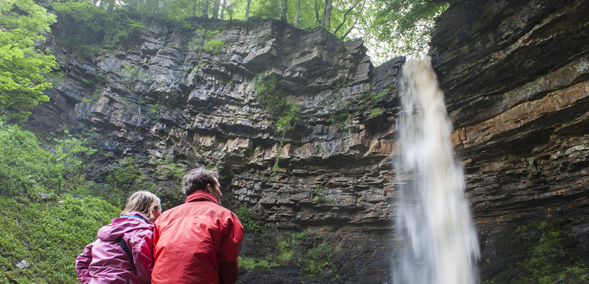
(344, 20)
(351, 28)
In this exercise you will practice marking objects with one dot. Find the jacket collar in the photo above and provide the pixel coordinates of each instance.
(201, 195)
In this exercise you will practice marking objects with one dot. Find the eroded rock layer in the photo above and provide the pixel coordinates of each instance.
(515, 78)
(516, 83)
(331, 174)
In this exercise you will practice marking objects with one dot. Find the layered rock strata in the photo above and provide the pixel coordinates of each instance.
(515, 78)
(516, 83)
(172, 99)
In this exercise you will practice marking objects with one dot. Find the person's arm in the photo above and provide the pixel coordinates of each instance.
(232, 235)
(228, 272)
(142, 256)
(83, 264)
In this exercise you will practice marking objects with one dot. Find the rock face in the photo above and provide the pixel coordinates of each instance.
(173, 99)
(515, 79)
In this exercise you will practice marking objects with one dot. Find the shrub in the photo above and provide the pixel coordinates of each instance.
(213, 46)
(247, 221)
(48, 236)
(25, 168)
(318, 260)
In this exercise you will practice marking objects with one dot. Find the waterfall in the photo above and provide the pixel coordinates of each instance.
(433, 220)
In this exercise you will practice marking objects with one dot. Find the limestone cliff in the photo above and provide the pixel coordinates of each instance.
(515, 75)
(515, 78)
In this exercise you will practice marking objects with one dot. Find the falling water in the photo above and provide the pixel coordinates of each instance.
(433, 215)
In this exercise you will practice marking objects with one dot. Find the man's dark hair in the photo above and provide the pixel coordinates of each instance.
(197, 179)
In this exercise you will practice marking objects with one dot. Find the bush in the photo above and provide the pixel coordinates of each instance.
(318, 260)
(26, 169)
(213, 46)
(48, 237)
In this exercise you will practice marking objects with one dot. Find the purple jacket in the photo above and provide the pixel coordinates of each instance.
(104, 261)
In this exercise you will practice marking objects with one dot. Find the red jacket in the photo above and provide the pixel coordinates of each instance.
(105, 261)
(190, 240)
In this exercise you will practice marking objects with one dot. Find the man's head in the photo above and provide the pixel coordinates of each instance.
(201, 179)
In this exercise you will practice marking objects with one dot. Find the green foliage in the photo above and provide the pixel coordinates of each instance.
(26, 168)
(251, 263)
(84, 27)
(341, 118)
(48, 236)
(274, 100)
(130, 175)
(288, 252)
(247, 221)
(318, 260)
(299, 237)
(552, 259)
(42, 227)
(213, 46)
(375, 112)
(318, 192)
(126, 32)
(81, 25)
(168, 100)
(401, 27)
(22, 64)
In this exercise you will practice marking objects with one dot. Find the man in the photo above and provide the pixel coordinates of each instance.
(198, 241)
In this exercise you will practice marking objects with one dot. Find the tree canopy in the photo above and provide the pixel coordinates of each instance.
(23, 65)
(389, 27)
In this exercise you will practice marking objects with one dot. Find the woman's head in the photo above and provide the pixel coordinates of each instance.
(145, 203)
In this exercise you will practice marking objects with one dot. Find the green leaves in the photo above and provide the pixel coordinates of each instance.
(400, 27)
(48, 236)
(274, 100)
(22, 65)
(24, 166)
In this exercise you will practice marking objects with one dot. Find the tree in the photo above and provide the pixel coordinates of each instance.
(23, 66)
(283, 10)
(247, 11)
(216, 7)
(205, 10)
(326, 19)
(298, 16)
(400, 27)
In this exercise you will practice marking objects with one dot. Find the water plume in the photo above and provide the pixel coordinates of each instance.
(433, 215)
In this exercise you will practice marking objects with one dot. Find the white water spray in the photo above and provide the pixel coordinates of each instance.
(433, 215)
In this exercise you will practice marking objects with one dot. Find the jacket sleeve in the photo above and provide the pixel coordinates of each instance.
(231, 237)
(83, 264)
(142, 250)
(228, 272)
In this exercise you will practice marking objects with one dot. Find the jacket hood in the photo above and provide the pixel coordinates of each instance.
(122, 225)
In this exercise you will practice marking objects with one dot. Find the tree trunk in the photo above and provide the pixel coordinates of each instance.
(223, 7)
(247, 11)
(205, 10)
(298, 14)
(283, 11)
(216, 9)
(317, 19)
(326, 15)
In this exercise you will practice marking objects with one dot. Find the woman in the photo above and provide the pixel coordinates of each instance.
(123, 252)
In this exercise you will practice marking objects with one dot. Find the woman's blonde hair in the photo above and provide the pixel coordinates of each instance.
(143, 202)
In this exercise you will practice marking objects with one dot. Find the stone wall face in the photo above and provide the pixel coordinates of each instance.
(515, 76)
(168, 99)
